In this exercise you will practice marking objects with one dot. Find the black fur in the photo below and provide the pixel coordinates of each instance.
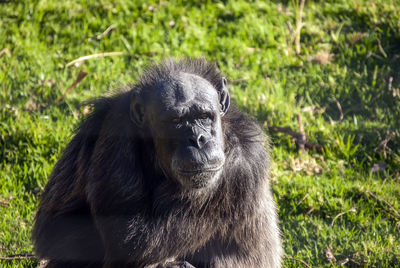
(109, 204)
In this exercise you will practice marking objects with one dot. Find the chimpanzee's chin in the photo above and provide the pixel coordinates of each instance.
(199, 180)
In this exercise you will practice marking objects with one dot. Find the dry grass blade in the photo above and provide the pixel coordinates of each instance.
(340, 110)
(341, 214)
(396, 213)
(80, 77)
(109, 29)
(302, 135)
(343, 262)
(383, 144)
(322, 57)
(357, 37)
(301, 261)
(304, 198)
(5, 51)
(381, 49)
(240, 80)
(310, 211)
(300, 138)
(363, 263)
(329, 255)
(246, 52)
(299, 25)
(23, 256)
(78, 61)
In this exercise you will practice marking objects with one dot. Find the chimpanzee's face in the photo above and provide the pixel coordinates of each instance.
(184, 117)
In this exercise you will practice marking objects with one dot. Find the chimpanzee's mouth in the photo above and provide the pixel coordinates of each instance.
(200, 170)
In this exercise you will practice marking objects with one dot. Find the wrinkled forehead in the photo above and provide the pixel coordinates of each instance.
(186, 90)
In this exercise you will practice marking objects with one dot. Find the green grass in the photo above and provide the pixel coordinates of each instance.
(253, 42)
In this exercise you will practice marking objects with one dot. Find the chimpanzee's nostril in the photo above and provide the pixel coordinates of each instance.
(198, 141)
(193, 141)
(201, 140)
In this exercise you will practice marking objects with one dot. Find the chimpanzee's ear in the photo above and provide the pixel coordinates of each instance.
(224, 98)
(137, 109)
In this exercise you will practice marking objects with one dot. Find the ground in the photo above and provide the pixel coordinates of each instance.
(332, 64)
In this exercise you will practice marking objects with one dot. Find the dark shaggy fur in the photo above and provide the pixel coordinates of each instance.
(108, 203)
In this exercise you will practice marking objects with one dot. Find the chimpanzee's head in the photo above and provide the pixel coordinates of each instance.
(182, 112)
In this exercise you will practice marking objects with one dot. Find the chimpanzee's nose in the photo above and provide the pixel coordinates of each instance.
(197, 141)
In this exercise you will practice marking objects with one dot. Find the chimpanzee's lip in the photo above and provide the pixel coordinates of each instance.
(200, 170)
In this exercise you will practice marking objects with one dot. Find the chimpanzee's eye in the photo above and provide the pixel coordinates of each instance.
(204, 116)
(176, 120)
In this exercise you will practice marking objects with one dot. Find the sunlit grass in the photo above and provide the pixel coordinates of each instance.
(344, 84)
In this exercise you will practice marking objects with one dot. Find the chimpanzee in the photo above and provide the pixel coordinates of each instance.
(166, 174)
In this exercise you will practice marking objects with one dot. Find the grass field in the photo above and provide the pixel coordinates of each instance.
(334, 64)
